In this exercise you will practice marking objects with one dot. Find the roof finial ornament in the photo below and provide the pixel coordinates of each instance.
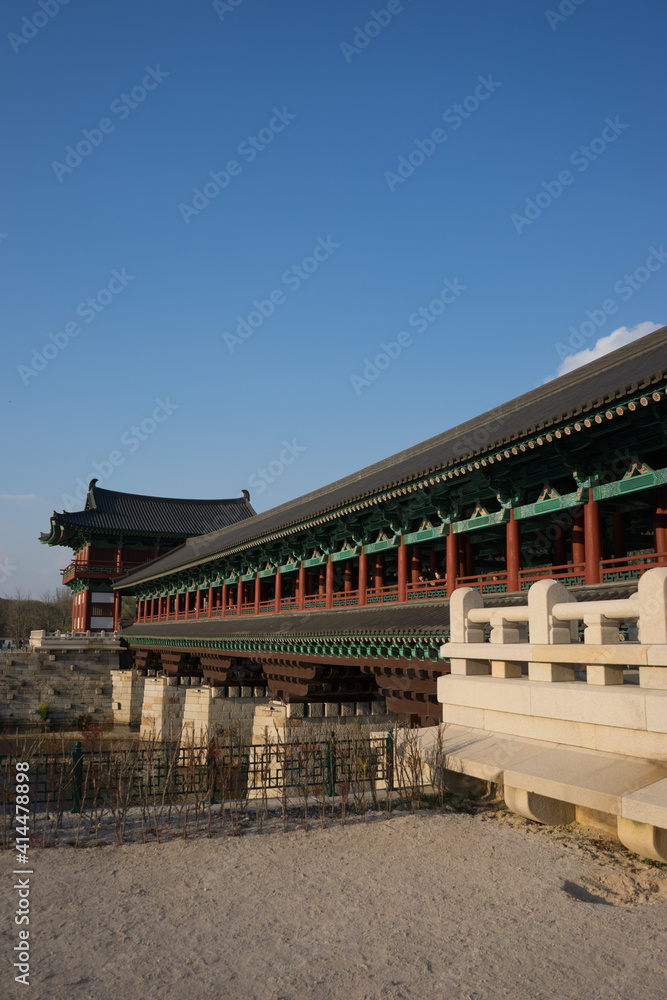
(246, 495)
(90, 499)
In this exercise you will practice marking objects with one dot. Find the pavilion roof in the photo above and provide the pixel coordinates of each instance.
(107, 510)
(609, 378)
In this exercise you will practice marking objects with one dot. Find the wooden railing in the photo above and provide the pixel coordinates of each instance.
(381, 595)
(628, 567)
(486, 583)
(631, 567)
(424, 589)
(570, 571)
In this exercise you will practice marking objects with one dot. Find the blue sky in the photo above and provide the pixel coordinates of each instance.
(355, 206)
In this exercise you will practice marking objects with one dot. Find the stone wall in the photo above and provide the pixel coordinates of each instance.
(70, 684)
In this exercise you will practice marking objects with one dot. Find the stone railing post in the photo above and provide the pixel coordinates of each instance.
(545, 629)
(461, 629)
(503, 631)
(601, 631)
(652, 600)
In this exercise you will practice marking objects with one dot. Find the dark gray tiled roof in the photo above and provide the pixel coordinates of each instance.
(425, 617)
(594, 384)
(106, 509)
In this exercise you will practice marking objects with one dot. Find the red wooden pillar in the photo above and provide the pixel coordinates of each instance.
(592, 539)
(87, 601)
(239, 596)
(329, 583)
(322, 581)
(578, 538)
(363, 576)
(224, 598)
(660, 524)
(258, 593)
(559, 547)
(198, 603)
(415, 565)
(403, 569)
(302, 586)
(152, 611)
(452, 561)
(116, 610)
(209, 601)
(432, 562)
(177, 605)
(378, 572)
(620, 551)
(279, 589)
(347, 577)
(513, 553)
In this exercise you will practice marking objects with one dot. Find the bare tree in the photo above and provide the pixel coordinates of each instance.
(19, 616)
(56, 610)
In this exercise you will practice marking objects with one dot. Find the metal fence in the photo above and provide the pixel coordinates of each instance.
(222, 769)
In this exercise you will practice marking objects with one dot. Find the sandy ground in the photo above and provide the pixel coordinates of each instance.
(443, 905)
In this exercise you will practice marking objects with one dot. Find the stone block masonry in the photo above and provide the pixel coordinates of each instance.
(173, 708)
(78, 683)
(128, 696)
(290, 722)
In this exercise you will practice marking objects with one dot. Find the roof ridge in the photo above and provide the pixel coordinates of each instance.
(244, 498)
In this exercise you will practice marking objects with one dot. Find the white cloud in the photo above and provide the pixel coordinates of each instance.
(18, 497)
(614, 340)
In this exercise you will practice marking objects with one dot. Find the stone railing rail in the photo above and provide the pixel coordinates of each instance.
(544, 633)
(41, 639)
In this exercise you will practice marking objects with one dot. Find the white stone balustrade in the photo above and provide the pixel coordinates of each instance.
(551, 648)
(41, 639)
(565, 749)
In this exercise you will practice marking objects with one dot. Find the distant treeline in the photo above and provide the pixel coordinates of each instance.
(20, 613)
